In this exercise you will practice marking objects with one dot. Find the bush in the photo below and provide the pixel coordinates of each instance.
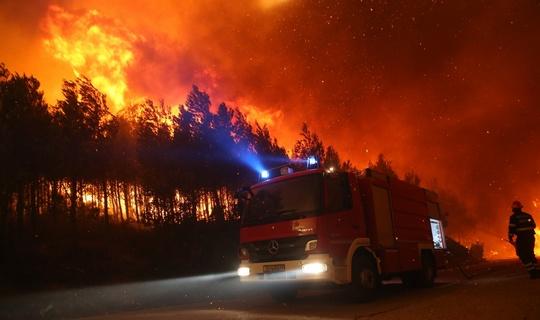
(463, 255)
(95, 252)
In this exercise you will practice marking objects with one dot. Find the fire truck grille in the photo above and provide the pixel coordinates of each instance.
(279, 249)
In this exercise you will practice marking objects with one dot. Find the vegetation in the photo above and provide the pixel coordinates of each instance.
(145, 164)
(73, 173)
(81, 187)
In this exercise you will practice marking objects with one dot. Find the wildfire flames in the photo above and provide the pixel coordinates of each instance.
(537, 243)
(94, 47)
(407, 79)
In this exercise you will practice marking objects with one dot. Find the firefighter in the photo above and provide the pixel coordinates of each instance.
(522, 226)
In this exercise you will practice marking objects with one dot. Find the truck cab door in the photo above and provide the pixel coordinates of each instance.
(343, 212)
(384, 229)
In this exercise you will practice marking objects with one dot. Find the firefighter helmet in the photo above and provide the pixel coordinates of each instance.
(517, 205)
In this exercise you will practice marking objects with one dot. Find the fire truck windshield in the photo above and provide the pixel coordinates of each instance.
(284, 200)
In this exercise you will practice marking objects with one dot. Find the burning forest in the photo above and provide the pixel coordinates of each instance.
(155, 114)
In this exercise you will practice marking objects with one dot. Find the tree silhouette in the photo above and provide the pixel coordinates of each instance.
(268, 149)
(308, 145)
(412, 178)
(331, 159)
(24, 137)
(156, 155)
(146, 162)
(383, 165)
(85, 125)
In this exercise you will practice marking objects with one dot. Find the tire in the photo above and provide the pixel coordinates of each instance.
(425, 277)
(283, 294)
(410, 279)
(429, 270)
(366, 280)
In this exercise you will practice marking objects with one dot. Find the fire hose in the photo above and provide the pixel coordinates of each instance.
(459, 267)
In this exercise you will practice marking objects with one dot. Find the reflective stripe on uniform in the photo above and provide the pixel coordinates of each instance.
(530, 266)
(512, 225)
(524, 228)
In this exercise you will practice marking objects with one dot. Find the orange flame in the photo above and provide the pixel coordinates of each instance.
(537, 243)
(94, 47)
(262, 116)
(268, 4)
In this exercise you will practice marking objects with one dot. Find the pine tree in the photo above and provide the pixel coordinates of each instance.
(85, 125)
(25, 133)
(383, 165)
(412, 178)
(332, 159)
(309, 145)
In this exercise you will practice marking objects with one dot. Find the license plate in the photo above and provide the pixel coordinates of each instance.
(274, 268)
(274, 272)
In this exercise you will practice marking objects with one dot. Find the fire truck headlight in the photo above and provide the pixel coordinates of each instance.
(243, 271)
(265, 174)
(314, 268)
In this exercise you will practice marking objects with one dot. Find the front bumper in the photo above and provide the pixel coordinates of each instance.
(290, 270)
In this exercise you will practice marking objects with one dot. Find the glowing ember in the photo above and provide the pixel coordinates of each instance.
(94, 47)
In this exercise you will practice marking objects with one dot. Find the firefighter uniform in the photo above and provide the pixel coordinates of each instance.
(522, 225)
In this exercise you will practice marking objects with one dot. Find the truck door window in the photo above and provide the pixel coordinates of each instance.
(338, 192)
(437, 233)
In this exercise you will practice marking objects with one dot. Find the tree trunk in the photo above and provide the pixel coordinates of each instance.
(146, 212)
(20, 210)
(33, 208)
(3, 224)
(73, 199)
(218, 210)
(172, 215)
(105, 202)
(193, 213)
(54, 199)
(118, 201)
(136, 194)
(126, 200)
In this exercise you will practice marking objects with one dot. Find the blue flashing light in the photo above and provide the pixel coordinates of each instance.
(311, 161)
(265, 174)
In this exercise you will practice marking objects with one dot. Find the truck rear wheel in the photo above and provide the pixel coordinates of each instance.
(423, 278)
(365, 278)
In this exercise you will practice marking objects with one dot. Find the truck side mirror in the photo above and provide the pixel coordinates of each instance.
(243, 194)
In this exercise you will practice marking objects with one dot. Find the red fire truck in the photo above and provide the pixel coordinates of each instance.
(324, 226)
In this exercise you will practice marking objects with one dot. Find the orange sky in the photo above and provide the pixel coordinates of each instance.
(450, 89)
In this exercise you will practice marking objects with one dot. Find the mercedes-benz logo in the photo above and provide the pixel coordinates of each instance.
(273, 247)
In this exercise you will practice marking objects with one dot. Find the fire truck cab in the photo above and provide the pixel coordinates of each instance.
(323, 226)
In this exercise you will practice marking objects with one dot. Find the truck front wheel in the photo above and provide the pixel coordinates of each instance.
(365, 278)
